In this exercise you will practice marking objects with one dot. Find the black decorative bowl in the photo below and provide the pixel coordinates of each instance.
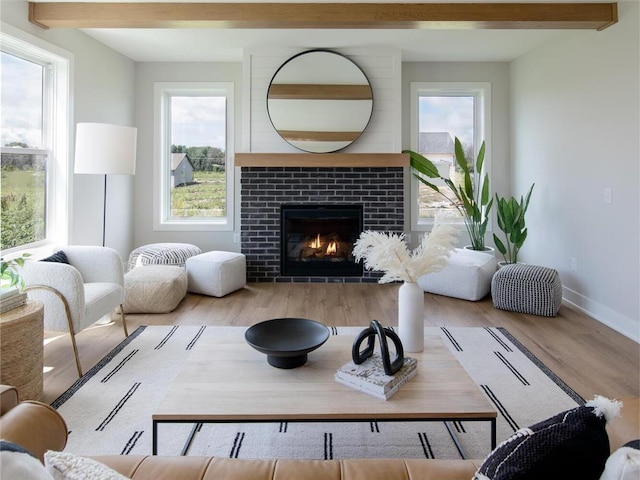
(287, 341)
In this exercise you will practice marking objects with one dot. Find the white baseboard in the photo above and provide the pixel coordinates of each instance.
(626, 326)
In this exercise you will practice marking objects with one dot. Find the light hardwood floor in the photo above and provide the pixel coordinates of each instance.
(590, 357)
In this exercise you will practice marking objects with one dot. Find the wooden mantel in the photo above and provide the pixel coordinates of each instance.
(331, 160)
(543, 15)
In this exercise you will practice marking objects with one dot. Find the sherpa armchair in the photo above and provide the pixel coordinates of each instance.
(78, 287)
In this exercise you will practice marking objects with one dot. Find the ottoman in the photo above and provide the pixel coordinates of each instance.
(467, 275)
(154, 289)
(216, 273)
(527, 289)
(162, 254)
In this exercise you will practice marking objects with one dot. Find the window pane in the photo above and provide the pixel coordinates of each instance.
(198, 156)
(23, 199)
(441, 119)
(22, 102)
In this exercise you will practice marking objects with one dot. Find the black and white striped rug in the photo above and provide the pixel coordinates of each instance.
(108, 410)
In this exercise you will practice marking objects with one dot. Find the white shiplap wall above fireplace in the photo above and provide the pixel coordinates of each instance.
(382, 67)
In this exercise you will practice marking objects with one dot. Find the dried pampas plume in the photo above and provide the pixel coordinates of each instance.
(388, 252)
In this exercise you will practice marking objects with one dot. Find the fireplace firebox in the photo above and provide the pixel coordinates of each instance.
(317, 240)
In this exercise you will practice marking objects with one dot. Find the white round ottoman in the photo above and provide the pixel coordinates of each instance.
(154, 289)
(162, 254)
(216, 273)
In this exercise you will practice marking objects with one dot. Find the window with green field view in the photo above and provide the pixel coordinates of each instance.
(195, 155)
(25, 153)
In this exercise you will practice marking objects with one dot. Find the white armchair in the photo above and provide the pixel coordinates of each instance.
(77, 294)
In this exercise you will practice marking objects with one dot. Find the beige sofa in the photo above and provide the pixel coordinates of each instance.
(38, 428)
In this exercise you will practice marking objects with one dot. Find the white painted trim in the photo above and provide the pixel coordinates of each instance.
(603, 314)
(60, 187)
(482, 131)
(162, 177)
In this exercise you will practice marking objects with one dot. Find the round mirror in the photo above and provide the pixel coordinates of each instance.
(319, 101)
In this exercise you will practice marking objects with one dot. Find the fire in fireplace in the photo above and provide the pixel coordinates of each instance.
(317, 240)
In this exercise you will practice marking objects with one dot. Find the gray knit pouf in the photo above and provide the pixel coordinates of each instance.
(527, 289)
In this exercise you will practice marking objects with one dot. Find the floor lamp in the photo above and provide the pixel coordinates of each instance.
(105, 149)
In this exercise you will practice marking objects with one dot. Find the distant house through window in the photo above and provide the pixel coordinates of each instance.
(440, 113)
(194, 145)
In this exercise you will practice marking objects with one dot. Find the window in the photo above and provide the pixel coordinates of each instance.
(194, 142)
(34, 99)
(439, 114)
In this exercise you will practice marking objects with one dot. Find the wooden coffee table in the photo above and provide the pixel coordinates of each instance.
(226, 381)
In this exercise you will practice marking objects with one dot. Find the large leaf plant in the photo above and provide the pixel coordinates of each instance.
(472, 199)
(510, 213)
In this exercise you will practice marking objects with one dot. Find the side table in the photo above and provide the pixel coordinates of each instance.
(21, 351)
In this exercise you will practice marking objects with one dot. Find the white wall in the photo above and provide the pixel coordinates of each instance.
(575, 131)
(102, 91)
(380, 65)
(495, 73)
(147, 73)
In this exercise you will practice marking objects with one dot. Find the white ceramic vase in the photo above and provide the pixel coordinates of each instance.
(411, 317)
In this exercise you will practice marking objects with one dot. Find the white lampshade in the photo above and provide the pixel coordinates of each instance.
(105, 149)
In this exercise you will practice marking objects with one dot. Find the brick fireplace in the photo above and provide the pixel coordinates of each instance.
(378, 190)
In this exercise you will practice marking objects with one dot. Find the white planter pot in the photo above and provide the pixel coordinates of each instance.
(487, 250)
(411, 317)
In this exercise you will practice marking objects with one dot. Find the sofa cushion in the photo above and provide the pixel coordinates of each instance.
(571, 444)
(58, 257)
(16, 462)
(66, 466)
(624, 463)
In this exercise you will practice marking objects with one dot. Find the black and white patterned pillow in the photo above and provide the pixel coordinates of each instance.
(570, 445)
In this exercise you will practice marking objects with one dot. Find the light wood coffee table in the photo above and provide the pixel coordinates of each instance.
(226, 381)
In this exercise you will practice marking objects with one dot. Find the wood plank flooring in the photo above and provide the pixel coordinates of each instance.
(590, 357)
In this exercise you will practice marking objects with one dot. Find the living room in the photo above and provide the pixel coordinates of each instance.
(565, 116)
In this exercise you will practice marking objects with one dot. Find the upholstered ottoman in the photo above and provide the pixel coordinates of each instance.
(527, 289)
(162, 254)
(154, 289)
(467, 275)
(216, 273)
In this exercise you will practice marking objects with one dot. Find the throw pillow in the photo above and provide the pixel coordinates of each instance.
(66, 466)
(58, 257)
(572, 444)
(18, 463)
(624, 463)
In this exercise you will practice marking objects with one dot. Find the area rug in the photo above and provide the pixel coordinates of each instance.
(108, 410)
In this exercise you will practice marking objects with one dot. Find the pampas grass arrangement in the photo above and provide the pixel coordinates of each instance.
(388, 252)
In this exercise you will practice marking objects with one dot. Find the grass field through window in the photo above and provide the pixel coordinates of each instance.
(205, 197)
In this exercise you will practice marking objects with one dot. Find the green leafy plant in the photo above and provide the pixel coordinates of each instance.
(510, 213)
(473, 199)
(9, 275)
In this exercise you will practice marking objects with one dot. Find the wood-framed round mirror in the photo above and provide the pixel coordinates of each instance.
(319, 101)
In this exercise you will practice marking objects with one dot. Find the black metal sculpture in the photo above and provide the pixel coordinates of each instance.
(374, 330)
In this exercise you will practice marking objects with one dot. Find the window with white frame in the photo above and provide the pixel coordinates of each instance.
(194, 148)
(440, 113)
(34, 118)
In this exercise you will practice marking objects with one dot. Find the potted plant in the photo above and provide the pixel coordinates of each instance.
(510, 213)
(12, 283)
(9, 275)
(388, 252)
(473, 199)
